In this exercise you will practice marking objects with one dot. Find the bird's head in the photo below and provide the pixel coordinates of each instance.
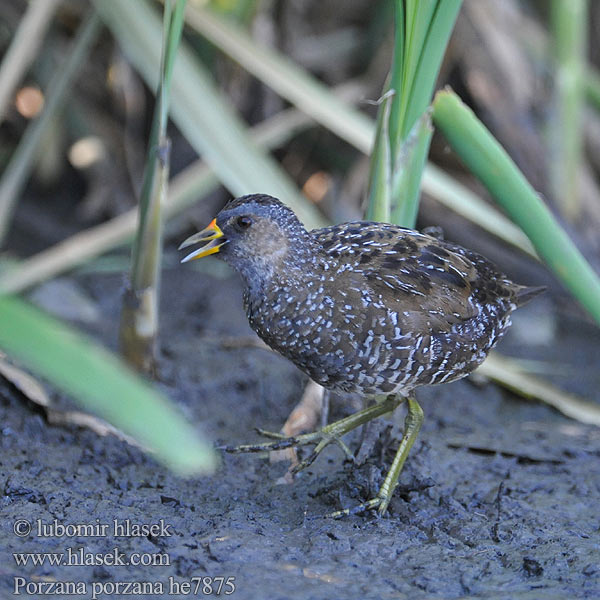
(255, 234)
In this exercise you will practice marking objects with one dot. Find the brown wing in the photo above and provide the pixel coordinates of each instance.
(432, 283)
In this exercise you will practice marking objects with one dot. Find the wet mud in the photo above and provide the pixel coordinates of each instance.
(499, 497)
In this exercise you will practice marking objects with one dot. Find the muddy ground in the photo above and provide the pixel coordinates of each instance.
(499, 498)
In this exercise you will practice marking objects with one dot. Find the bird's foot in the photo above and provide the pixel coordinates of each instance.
(413, 421)
(329, 434)
(379, 503)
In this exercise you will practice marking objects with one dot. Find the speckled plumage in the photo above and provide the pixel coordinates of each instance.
(361, 307)
(367, 307)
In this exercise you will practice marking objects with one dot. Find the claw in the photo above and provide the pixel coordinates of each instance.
(271, 434)
(378, 503)
(309, 460)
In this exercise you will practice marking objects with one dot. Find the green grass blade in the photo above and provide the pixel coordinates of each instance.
(380, 176)
(146, 255)
(100, 383)
(430, 60)
(484, 156)
(417, 18)
(173, 37)
(202, 114)
(21, 163)
(406, 183)
(570, 25)
(422, 31)
(139, 315)
(397, 81)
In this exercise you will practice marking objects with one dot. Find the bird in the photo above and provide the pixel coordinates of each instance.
(362, 307)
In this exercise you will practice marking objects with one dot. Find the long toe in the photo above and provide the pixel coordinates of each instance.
(280, 442)
(373, 504)
(265, 447)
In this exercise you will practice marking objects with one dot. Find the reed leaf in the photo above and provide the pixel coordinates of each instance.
(508, 373)
(569, 25)
(139, 315)
(421, 35)
(285, 77)
(380, 176)
(100, 383)
(406, 179)
(484, 156)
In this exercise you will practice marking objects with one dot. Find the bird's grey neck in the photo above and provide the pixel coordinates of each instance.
(263, 273)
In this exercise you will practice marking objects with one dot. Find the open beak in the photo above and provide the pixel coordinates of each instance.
(211, 235)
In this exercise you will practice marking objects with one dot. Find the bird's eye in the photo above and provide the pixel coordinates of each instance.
(243, 222)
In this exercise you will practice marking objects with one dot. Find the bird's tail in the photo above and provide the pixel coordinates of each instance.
(525, 293)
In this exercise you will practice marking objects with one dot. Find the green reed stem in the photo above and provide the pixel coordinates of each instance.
(139, 316)
(422, 31)
(484, 156)
(569, 24)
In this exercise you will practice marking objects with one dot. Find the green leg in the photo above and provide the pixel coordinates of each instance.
(412, 425)
(322, 438)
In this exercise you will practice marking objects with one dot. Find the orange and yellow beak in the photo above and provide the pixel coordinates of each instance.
(211, 234)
